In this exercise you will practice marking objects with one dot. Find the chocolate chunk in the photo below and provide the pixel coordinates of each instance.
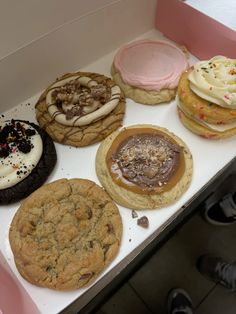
(110, 228)
(143, 222)
(4, 152)
(30, 132)
(90, 213)
(24, 146)
(86, 276)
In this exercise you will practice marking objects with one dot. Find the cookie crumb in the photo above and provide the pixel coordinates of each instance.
(143, 222)
(130, 240)
(134, 214)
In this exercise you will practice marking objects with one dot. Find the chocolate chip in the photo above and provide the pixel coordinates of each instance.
(4, 153)
(24, 146)
(30, 132)
(85, 276)
(110, 228)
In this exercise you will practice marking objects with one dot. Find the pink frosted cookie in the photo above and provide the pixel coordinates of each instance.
(148, 71)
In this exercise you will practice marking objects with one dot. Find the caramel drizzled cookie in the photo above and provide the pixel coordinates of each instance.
(206, 98)
(81, 108)
(65, 234)
(27, 157)
(144, 166)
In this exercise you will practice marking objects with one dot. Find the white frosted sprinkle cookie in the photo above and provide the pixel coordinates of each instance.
(207, 98)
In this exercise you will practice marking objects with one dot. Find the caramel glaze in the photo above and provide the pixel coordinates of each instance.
(154, 169)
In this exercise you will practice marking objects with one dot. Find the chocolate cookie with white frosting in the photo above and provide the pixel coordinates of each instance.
(27, 157)
(81, 108)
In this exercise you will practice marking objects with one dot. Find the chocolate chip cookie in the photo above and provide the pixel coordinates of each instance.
(81, 108)
(65, 234)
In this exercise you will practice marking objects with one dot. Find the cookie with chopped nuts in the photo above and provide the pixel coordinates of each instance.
(81, 108)
(27, 157)
(144, 166)
(65, 234)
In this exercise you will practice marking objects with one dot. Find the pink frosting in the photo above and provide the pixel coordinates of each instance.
(151, 64)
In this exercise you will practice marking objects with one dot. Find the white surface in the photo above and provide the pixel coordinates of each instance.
(208, 157)
(220, 10)
(27, 20)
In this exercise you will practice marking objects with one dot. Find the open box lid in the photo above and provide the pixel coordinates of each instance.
(202, 34)
(13, 297)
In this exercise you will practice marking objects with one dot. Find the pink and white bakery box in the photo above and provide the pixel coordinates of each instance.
(11, 289)
(85, 36)
(206, 28)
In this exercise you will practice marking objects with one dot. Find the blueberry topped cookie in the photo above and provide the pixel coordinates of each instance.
(81, 108)
(65, 234)
(27, 157)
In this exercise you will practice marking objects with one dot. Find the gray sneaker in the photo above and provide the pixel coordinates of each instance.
(218, 270)
(222, 213)
(179, 302)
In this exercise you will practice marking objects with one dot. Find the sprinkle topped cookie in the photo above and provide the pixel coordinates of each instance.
(215, 81)
(207, 98)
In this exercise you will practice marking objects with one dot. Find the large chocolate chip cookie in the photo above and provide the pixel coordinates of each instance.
(65, 233)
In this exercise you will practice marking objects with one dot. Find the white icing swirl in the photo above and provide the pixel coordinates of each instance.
(18, 165)
(215, 81)
(93, 113)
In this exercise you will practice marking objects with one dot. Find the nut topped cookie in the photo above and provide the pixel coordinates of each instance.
(65, 234)
(144, 166)
(81, 108)
(27, 157)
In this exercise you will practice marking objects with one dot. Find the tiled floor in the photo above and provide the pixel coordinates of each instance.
(174, 266)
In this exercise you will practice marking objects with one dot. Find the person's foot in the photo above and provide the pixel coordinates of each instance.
(216, 269)
(179, 302)
(223, 212)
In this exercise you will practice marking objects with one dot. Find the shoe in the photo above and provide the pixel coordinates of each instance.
(179, 302)
(218, 270)
(222, 213)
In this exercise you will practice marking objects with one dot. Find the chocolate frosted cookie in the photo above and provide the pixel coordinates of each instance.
(144, 166)
(65, 233)
(27, 157)
(81, 108)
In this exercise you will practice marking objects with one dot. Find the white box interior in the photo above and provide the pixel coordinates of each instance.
(86, 38)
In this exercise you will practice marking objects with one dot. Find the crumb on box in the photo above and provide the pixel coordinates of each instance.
(143, 222)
